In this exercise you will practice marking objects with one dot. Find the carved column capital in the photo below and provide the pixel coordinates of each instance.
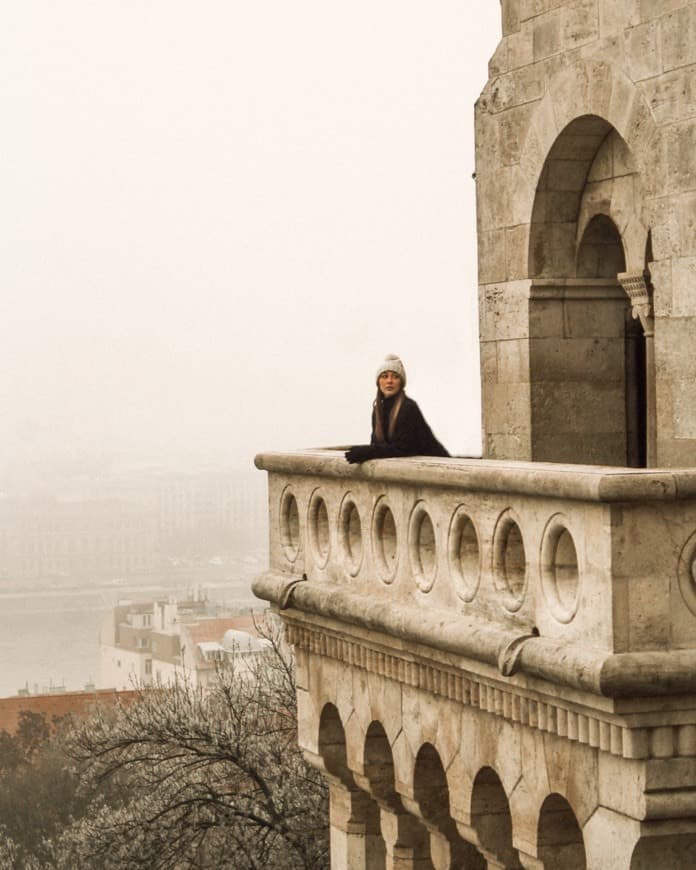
(637, 287)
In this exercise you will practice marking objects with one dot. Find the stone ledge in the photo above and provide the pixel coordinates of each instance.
(590, 483)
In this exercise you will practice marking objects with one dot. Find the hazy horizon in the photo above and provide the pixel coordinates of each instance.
(217, 219)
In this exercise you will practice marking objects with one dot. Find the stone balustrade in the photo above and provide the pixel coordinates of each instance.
(592, 557)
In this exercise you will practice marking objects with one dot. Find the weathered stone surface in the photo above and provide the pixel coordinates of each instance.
(580, 23)
(510, 16)
(547, 35)
(656, 8)
(684, 281)
(615, 18)
(679, 38)
(520, 46)
(502, 311)
(492, 257)
(643, 48)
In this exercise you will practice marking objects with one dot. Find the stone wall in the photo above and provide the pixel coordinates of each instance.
(586, 172)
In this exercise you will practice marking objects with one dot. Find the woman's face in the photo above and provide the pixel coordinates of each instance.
(389, 383)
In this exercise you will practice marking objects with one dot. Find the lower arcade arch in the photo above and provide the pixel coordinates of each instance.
(431, 795)
(358, 813)
(491, 819)
(559, 838)
(332, 744)
(403, 836)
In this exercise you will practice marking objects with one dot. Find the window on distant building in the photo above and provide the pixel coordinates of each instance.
(148, 667)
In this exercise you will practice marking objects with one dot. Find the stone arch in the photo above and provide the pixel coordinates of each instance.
(431, 798)
(589, 366)
(559, 838)
(491, 819)
(403, 836)
(379, 766)
(588, 99)
(558, 196)
(587, 88)
(589, 171)
(332, 744)
(355, 819)
(671, 852)
(600, 253)
(613, 190)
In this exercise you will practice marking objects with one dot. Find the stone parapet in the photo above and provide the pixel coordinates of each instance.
(569, 554)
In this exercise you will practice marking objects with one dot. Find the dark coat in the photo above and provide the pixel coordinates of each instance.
(411, 434)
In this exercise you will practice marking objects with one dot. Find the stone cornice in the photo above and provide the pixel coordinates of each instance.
(606, 731)
(599, 672)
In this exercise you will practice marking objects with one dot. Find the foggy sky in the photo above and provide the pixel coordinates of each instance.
(217, 217)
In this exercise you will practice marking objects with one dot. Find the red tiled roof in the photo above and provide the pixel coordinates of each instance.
(58, 705)
(214, 629)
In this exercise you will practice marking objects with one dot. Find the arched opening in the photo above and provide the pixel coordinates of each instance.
(355, 822)
(559, 194)
(670, 852)
(332, 743)
(587, 352)
(490, 817)
(559, 838)
(431, 793)
(403, 836)
(601, 256)
(379, 765)
(600, 253)
(636, 395)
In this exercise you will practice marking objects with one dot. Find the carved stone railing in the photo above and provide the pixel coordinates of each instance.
(580, 575)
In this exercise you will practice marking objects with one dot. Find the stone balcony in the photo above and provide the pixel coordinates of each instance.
(500, 654)
(582, 576)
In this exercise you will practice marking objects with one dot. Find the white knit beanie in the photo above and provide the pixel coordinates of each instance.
(392, 363)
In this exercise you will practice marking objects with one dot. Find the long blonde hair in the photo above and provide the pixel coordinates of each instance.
(393, 414)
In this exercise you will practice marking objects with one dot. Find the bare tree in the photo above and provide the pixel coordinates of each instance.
(186, 778)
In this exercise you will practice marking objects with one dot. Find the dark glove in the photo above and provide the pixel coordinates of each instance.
(359, 453)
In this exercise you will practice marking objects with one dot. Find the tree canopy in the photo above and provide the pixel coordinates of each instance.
(185, 777)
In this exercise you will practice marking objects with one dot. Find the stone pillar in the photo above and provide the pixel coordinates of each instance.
(529, 862)
(637, 287)
(356, 841)
(406, 842)
(503, 858)
(610, 838)
(449, 852)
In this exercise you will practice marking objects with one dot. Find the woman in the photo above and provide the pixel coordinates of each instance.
(398, 427)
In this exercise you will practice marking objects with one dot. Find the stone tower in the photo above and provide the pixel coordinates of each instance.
(496, 658)
(586, 172)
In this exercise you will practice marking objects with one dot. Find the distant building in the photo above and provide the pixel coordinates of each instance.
(56, 705)
(153, 642)
(128, 525)
(58, 538)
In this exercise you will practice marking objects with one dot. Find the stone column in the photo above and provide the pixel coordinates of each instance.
(406, 842)
(637, 287)
(529, 862)
(356, 841)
